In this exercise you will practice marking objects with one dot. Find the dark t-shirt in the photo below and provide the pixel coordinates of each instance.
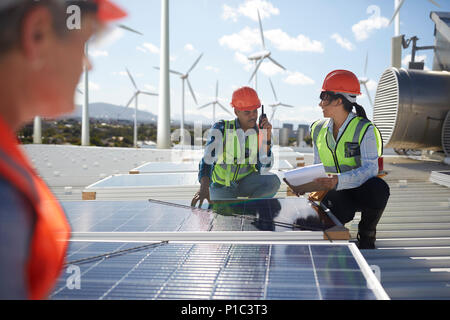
(16, 229)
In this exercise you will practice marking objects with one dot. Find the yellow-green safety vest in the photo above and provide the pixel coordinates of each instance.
(232, 164)
(346, 155)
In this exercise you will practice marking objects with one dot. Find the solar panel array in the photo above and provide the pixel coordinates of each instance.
(216, 271)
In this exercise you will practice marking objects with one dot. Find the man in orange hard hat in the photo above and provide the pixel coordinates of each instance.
(238, 154)
(41, 61)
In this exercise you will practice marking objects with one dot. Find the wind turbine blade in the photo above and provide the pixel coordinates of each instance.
(225, 109)
(368, 95)
(217, 90)
(273, 115)
(365, 66)
(396, 11)
(131, 100)
(206, 105)
(192, 91)
(129, 29)
(256, 70)
(171, 71)
(435, 3)
(195, 63)
(273, 60)
(273, 90)
(132, 80)
(286, 105)
(261, 31)
(149, 93)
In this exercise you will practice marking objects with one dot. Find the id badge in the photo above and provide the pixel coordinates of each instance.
(352, 149)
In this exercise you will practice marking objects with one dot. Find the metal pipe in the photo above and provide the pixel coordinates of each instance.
(163, 135)
(85, 139)
(410, 108)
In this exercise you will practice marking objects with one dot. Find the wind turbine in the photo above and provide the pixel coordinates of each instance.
(277, 103)
(185, 78)
(364, 80)
(135, 98)
(213, 103)
(396, 16)
(259, 57)
(85, 139)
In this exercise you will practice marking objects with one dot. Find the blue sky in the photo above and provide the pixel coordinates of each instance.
(309, 38)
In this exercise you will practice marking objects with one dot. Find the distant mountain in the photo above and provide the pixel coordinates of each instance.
(108, 111)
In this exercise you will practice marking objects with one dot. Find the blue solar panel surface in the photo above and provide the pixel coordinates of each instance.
(148, 216)
(215, 271)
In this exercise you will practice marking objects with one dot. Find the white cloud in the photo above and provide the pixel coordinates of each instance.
(211, 68)
(107, 38)
(246, 39)
(282, 41)
(297, 78)
(150, 88)
(249, 9)
(148, 47)
(189, 47)
(418, 58)
(344, 43)
(242, 59)
(372, 85)
(93, 86)
(98, 53)
(120, 73)
(364, 28)
(269, 69)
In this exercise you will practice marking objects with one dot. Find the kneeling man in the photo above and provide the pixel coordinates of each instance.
(238, 155)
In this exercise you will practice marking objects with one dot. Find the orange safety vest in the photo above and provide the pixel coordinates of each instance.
(51, 230)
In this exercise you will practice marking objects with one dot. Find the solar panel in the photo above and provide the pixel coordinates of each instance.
(166, 167)
(239, 215)
(147, 180)
(219, 271)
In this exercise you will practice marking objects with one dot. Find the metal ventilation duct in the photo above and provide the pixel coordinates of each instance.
(446, 135)
(410, 108)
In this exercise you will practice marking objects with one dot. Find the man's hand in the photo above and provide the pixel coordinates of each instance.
(266, 125)
(203, 193)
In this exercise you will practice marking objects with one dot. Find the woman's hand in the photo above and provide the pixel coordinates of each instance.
(326, 184)
(319, 184)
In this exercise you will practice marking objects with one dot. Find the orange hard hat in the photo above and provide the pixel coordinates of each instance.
(342, 81)
(108, 11)
(245, 99)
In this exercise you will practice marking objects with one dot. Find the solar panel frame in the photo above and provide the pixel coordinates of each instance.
(224, 271)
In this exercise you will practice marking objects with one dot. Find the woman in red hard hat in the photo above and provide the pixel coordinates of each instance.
(349, 146)
(238, 154)
(41, 62)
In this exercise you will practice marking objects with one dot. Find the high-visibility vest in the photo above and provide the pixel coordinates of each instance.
(236, 161)
(51, 230)
(346, 154)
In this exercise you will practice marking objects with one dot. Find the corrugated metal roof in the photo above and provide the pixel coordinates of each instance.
(413, 236)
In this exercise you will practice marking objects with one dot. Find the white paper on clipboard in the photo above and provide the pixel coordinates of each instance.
(305, 175)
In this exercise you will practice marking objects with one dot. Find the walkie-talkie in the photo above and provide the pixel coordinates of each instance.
(261, 117)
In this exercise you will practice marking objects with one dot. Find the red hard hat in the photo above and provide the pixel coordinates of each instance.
(108, 11)
(245, 99)
(342, 81)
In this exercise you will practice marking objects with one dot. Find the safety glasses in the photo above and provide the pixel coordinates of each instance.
(327, 96)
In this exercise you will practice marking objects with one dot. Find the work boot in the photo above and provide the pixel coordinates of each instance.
(366, 240)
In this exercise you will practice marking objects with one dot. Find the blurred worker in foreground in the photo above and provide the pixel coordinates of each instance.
(41, 61)
(238, 154)
(349, 146)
